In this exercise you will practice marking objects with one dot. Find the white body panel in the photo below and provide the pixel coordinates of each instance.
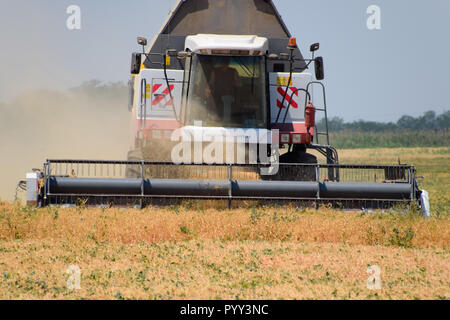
(32, 188)
(425, 202)
(278, 83)
(226, 42)
(159, 104)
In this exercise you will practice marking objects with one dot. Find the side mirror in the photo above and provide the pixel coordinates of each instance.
(318, 65)
(142, 41)
(136, 60)
(314, 47)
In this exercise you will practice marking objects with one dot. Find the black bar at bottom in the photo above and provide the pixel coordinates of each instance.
(220, 188)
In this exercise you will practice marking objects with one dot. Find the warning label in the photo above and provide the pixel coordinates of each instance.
(161, 95)
(282, 92)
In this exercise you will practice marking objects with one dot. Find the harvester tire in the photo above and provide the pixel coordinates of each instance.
(296, 173)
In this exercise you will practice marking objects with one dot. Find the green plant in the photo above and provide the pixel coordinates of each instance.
(404, 240)
(186, 230)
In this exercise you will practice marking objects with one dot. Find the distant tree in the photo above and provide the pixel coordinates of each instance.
(96, 87)
(370, 126)
(334, 124)
(407, 122)
(87, 87)
(428, 121)
(443, 120)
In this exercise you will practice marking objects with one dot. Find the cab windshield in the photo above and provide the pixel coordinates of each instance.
(227, 91)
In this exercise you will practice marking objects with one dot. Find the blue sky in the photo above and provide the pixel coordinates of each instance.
(373, 75)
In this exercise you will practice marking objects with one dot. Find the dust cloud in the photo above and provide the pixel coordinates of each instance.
(87, 122)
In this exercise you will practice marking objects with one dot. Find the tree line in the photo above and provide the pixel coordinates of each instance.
(429, 121)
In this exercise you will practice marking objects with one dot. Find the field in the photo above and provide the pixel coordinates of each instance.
(432, 164)
(352, 139)
(247, 253)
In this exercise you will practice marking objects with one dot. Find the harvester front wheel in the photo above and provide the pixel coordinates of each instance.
(296, 172)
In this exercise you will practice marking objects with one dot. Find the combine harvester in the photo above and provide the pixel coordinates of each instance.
(217, 94)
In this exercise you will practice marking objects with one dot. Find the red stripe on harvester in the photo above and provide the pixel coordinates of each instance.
(156, 87)
(293, 89)
(158, 99)
(288, 98)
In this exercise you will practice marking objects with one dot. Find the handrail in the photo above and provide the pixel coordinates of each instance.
(143, 106)
(324, 110)
(320, 165)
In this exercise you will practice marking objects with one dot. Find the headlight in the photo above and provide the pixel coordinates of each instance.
(285, 138)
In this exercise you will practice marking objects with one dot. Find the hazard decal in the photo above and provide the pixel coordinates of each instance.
(287, 90)
(281, 92)
(161, 96)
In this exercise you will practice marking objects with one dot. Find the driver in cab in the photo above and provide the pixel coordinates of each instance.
(222, 85)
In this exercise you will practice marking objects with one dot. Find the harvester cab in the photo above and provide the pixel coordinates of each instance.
(229, 86)
(222, 107)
